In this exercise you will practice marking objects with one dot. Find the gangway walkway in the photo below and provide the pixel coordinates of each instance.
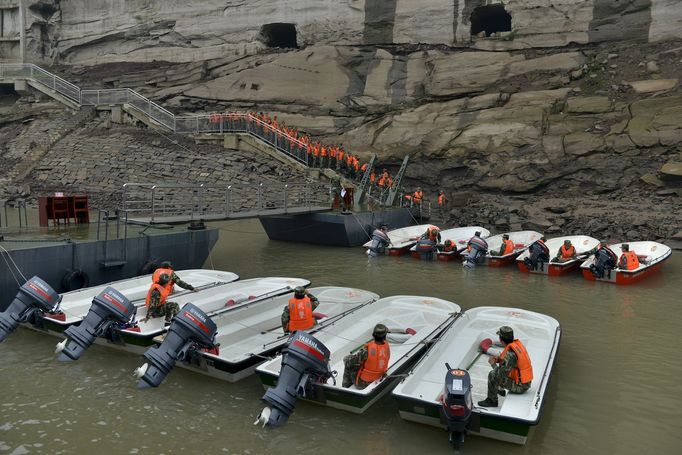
(152, 113)
(147, 203)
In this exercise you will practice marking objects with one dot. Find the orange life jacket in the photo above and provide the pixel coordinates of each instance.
(441, 199)
(418, 196)
(158, 272)
(300, 314)
(376, 364)
(162, 290)
(508, 247)
(364, 167)
(449, 246)
(629, 260)
(567, 253)
(372, 177)
(523, 373)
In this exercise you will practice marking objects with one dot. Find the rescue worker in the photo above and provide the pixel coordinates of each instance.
(370, 362)
(538, 254)
(566, 252)
(298, 314)
(432, 233)
(417, 196)
(512, 370)
(628, 260)
(380, 241)
(442, 201)
(157, 303)
(449, 246)
(167, 268)
(506, 248)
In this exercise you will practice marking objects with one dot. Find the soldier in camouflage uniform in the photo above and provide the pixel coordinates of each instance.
(157, 305)
(175, 279)
(499, 379)
(352, 363)
(299, 293)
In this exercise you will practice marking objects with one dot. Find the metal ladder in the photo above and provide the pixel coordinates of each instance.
(396, 183)
(365, 181)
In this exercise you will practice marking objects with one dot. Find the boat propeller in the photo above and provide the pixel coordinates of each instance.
(108, 309)
(190, 331)
(305, 360)
(33, 299)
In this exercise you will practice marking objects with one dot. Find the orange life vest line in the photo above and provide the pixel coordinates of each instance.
(376, 364)
(449, 246)
(441, 199)
(567, 253)
(162, 290)
(158, 272)
(300, 314)
(508, 247)
(523, 373)
(418, 196)
(630, 260)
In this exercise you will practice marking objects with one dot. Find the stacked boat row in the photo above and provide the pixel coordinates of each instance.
(228, 329)
(474, 246)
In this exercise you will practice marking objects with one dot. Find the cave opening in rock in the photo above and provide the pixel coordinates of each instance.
(279, 35)
(490, 19)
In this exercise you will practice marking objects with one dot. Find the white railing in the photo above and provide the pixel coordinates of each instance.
(207, 123)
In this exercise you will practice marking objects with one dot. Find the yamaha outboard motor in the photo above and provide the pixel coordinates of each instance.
(604, 260)
(304, 361)
(457, 405)
(33, 298)
(538, 254)
(190, 332)
(109, 309)
(426, 249)
(379, 242)
(478, 249)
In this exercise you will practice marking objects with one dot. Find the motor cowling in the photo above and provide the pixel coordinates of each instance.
(109, 309)
(33, 299)
(305, 361)
(604, 260)
(190, 331)
(457, 405)
(378, 244)
(478, 248)
(538, 254)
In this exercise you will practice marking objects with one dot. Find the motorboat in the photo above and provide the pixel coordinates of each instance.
(253, 333)
(76, 304)
(413, 322)
(583, 246)
(403, 239)
(651, 257)
(521, 240)
(460, 237)
(457, 356)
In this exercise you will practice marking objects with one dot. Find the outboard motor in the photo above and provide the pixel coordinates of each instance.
(33, 298)
(478, 249)
(304, 361)
(109, 309)
(538, 254)
(604, 260)
(457, 405)
(379, 241)
(190, 332)
(426, 248)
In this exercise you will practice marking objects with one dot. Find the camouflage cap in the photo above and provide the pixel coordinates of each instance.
(506, 332)
(299, 292)
(380, 330)
(164, 278)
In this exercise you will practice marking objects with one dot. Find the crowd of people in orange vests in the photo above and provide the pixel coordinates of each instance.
(316, 154)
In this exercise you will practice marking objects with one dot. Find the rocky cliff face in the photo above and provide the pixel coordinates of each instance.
(100, 31)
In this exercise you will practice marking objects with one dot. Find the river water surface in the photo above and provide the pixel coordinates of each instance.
(615, 388)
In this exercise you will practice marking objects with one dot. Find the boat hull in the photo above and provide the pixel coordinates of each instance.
(550, 269)
(500, 261)
(399, 251)
(624, 277)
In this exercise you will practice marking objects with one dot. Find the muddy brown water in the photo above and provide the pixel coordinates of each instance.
(615, 386)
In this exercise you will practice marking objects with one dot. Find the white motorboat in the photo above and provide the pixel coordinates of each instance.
(582, 243)
(419, 394)
(402, 239)
(253, 333)
(651, 257)
(426, 316)
(459, 237)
